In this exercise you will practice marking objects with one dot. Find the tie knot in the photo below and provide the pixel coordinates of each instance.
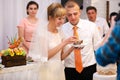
(75, 32)
(75, 28)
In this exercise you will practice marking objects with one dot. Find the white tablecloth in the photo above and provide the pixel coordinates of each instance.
(96, 76)
(25, 72)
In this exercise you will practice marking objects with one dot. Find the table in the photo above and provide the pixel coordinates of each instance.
(96, 76)
(25, 72)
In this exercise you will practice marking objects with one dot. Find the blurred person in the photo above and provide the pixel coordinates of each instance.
(27, 25)
(109, 52)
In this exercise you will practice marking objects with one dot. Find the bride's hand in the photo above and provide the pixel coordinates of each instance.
(70, 40)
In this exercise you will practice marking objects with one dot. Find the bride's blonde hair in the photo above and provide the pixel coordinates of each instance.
(55, 10)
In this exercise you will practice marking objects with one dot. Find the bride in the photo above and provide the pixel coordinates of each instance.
(48, 44)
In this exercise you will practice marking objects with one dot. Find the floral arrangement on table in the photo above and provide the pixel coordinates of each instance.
(14, 55)
(14, 48)
(12, 52)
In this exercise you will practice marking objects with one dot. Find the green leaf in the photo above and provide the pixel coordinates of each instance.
(6, 53)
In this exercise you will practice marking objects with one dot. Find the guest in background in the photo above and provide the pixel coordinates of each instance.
(28, 24)
(101, 23)
(109, 52)
(88, 32)
(112, 18)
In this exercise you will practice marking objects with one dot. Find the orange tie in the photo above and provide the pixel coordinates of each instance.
(77, 53)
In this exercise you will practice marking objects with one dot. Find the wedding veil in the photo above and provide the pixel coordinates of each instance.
(39, 46)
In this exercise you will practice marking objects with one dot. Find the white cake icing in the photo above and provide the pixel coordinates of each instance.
(107, 70)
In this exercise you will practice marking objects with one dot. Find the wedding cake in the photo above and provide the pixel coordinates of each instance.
(107, 72)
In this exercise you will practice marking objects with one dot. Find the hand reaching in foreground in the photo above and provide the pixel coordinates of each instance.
(105, 39)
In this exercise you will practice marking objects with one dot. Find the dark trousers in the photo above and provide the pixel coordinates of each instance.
(86, 74)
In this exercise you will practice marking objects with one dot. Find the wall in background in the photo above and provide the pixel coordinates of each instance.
(101, 6)
(114, 6)
(85, 4)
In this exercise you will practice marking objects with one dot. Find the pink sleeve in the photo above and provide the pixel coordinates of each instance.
(21, 24)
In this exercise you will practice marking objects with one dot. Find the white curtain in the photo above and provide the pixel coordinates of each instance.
(11, 12)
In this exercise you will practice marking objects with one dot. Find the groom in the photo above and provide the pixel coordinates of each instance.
(87, 32)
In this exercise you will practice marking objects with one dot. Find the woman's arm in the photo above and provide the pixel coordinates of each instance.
(21, 34)
(56, 49)
(64, 55)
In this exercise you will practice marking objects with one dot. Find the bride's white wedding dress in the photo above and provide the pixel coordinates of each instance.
(53, 69)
